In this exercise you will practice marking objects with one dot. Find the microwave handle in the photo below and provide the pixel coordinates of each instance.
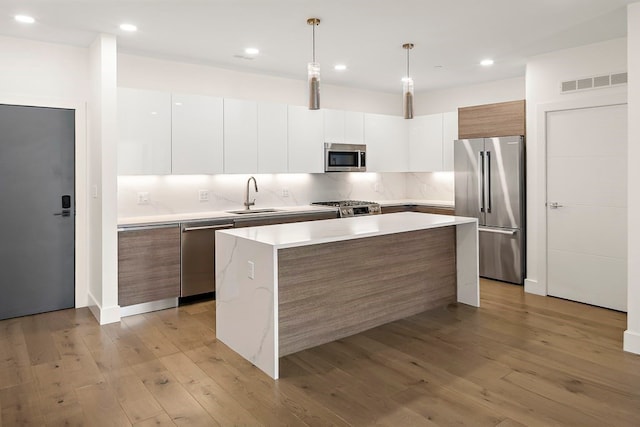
(362, 162)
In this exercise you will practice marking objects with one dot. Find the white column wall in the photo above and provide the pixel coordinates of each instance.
(632, 334)
(103, 235)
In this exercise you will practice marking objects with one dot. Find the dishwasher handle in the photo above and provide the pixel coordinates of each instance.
(208, 227)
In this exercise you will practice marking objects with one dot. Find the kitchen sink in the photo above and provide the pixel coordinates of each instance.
(252, 211)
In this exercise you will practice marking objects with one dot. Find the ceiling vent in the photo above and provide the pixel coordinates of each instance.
(595, 82)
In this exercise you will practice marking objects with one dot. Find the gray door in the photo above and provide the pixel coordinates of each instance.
(37, 246)
(504, 186)
(468, 177)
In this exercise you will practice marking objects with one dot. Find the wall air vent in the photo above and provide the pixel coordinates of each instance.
(595, 82)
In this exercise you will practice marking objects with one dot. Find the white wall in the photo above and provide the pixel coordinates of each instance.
(632, 334)
(103, 292)
(157, 74)
(544, 74)
(440, 101)
(46, 71)
(52, 75)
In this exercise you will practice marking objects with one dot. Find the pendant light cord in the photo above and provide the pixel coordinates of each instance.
(313, 42)
(408, 75)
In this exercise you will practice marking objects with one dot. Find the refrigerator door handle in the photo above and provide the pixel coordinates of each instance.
(511, 232)
(481, 181)
(487, 185)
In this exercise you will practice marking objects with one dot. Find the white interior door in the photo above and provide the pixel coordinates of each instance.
(587, 205)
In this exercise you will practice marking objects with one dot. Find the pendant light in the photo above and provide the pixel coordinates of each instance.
(407, 88)
(313, 69)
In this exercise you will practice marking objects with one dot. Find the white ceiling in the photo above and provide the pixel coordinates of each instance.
(450, 36)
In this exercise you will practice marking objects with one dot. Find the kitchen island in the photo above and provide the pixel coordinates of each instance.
(284, 288)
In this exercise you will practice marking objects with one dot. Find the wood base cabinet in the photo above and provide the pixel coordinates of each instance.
(148, 264)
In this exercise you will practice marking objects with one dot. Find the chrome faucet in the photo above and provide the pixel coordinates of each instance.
(248, 203)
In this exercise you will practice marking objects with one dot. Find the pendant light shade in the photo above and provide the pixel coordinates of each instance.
(313, 69)
(407, 88)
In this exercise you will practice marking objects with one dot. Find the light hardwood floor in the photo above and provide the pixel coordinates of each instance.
(518, 360)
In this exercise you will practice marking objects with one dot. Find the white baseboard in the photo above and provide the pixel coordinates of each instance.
(147, 307)
(533, 287)
(632, 341)
(104, 315)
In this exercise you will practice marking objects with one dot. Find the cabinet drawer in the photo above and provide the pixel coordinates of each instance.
(148, 265)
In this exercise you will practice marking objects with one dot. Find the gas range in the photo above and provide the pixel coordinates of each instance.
(348, 208)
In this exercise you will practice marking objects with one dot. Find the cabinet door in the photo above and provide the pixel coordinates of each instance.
(353, 127)
(425, 143)
(196, 134)
(240, 136)
(272, 138)
(450, 134)
(306, 145)
(334, 126)
(144, 132)
(148, 265)
(343, 127)
(387, 139)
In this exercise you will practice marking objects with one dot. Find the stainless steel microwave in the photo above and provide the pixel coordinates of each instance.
(345, 157)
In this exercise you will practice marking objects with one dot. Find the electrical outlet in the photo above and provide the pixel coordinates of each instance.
(94, 191)
(285, 192)
(378, 187)
(250, 269)
(143, 198)
(203, 195)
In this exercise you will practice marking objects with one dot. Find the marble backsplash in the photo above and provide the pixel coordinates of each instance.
(174, 194)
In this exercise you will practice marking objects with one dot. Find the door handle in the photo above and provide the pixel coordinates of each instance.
(481, 181)
(488, 181)
(511, 232)
(554, 205)
(64, 212)
(208, 227)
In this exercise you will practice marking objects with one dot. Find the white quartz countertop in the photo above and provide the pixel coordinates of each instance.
(214, 215)
(419, 202)
(280, 210)
(334, 230)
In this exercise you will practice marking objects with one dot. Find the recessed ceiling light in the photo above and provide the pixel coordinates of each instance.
(25, 19)
(486, 62)
(252, 51)
(128, 27)
(340, 67)
(178, 103)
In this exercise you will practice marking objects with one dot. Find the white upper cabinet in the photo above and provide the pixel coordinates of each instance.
(334, 126)
(272, 138)
(343, 127)
(450, 134)
(196, 134)
(305, 140)
(353, 127)
(425, 143)
(240, 136)
(387, 139)
(144, 128)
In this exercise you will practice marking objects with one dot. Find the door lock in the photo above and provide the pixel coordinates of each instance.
(554, 205)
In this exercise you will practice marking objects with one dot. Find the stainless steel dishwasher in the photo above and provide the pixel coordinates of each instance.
(197, 257)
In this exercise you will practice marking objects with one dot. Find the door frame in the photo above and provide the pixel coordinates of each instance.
(539, 286)
(81, 249)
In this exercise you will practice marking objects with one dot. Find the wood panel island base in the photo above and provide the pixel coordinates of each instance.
(284, 288)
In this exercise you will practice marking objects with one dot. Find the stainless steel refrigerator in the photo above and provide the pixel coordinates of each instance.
(490, 185)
